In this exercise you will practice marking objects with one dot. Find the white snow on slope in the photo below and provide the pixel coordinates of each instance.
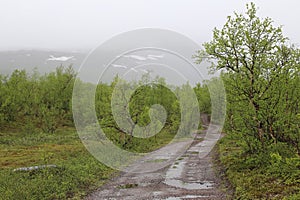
(62, 58)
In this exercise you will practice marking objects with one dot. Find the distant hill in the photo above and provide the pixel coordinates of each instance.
(106, 64)
(44, 61)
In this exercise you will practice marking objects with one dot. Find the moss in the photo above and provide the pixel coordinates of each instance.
(77, 172)
(128, 185)
(258, 176)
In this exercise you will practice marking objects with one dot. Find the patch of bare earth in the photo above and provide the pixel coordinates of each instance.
(185, 177)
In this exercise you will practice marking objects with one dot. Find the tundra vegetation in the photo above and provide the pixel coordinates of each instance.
(261, 73)
(260, 150)
(37, 128)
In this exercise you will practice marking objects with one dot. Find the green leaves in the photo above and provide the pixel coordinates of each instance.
(36, 101)
(261, 75)
(144, 113)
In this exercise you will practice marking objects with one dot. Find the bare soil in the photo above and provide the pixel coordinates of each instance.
(185, 177)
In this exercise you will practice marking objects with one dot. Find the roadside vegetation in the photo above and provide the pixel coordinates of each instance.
(77, 173)
(260, 151)
(261, 73)
(37, 128)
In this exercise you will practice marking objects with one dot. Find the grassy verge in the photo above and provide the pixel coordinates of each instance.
(77, 172)
(142, 145)
(273, 174)
(220, 171)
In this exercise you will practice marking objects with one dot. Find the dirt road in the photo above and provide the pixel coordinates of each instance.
(185, 177)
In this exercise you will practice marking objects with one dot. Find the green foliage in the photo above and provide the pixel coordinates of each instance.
(35, 117)
(261, 75)
(77, 172)
(138, 105)
(203, 96)
(30, 102)
(273, 174)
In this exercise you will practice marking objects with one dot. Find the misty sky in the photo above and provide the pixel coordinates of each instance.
(78, 25)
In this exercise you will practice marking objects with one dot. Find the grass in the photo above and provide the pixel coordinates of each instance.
(77, 174)
(268, 175)
(143, 145)
(127, 186)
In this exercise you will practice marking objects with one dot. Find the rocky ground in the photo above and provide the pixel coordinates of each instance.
(185, 176)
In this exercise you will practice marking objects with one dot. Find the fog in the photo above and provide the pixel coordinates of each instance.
(82, 25)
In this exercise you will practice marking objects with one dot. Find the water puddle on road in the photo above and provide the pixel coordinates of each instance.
(174, 174)
(187, 197)
(189, 186)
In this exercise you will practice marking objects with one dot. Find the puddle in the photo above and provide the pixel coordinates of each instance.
(157, 193)
(174, 173)
(187, 197)
(189, 186)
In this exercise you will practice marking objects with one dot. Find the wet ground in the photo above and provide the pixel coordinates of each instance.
(186, 176)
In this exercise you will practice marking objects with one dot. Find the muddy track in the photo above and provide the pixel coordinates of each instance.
(185, 177)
